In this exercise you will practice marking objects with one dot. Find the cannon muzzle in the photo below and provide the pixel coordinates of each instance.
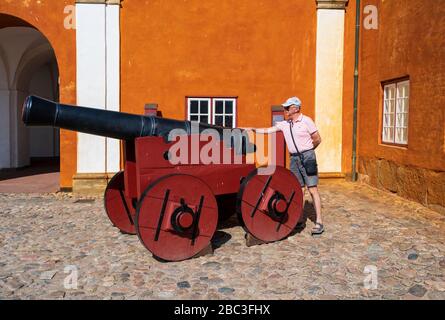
(118, 125)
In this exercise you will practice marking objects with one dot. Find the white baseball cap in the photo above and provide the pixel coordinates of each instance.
(292, 101)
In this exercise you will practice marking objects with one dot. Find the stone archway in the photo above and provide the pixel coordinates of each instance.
(28, 65)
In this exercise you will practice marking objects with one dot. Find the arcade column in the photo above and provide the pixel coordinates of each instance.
(329, 83)
(98, 86)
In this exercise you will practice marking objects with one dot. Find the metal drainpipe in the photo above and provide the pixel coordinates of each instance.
(354, 130)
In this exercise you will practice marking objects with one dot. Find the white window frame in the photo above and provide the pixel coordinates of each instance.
(224, 114)
(212, 109)
(399, 114)
(199, 114)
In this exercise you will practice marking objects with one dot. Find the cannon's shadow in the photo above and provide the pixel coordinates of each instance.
(308, 214)
(228, 222)
(219, 239)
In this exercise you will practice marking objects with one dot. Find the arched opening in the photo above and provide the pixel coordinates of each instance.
(28, 66)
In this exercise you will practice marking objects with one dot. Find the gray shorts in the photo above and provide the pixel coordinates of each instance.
(300, 172)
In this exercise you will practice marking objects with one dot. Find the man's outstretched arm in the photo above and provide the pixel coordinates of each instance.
(263, 130)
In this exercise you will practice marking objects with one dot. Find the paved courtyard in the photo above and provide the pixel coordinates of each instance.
(376, 246)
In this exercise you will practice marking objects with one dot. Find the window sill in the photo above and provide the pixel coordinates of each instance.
(397, 146)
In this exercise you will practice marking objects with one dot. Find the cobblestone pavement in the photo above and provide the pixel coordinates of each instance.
(393, 247)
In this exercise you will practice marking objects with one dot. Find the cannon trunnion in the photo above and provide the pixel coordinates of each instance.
(174, 206)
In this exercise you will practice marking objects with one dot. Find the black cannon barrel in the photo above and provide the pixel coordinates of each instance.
(125, 126)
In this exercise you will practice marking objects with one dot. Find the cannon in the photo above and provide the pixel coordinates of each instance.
(174, 206)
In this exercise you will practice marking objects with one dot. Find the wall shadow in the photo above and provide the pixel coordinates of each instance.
(38, 166)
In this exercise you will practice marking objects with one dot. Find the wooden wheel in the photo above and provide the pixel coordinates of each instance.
(119, 208)
(270, 206)
(176, 217)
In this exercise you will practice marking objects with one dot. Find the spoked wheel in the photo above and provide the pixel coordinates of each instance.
(118, 207)
(270, 206)
(176, 217)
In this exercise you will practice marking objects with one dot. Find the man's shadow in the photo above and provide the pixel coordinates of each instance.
(307, 214)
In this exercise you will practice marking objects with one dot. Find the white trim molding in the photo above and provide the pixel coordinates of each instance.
(332, 4)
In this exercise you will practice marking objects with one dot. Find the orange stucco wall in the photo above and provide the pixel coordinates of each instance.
(409, 42)
(48, 17)
(348, 87)
(259, 51)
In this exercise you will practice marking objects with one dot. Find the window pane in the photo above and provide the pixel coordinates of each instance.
(204, 106)
(401, 135)
(194, 118)
(219, 107)
(402, 89)
(194, 106)
(400, 105)
(229, 107)
(385, 135)
(385, 120)
(204, 119)
(399, 120)
(405, 135)
(219, 121)
(229, 121)
(392, 92)
(398, 135)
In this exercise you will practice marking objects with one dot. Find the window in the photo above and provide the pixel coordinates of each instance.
(199, 110)
(395, 113)
(217, 111)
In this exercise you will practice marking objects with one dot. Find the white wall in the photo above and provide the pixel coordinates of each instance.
(4, 112)
(113, 80)
(5, 150)
(329, 88)
(98, 83)
(43, 140)
(20, 133)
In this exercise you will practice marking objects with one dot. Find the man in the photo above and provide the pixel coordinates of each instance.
(302, 138)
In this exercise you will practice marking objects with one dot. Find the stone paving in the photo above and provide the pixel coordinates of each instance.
(376, 246)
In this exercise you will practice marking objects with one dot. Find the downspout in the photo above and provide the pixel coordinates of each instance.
(354, 129)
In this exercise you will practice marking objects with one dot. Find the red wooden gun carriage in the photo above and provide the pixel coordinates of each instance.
(174, 206)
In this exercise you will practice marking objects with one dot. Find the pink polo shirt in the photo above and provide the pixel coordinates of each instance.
(302, 130)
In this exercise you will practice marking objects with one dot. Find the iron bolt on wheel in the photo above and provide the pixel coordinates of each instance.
(176, 217)
(270, 206)
(118, 207)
